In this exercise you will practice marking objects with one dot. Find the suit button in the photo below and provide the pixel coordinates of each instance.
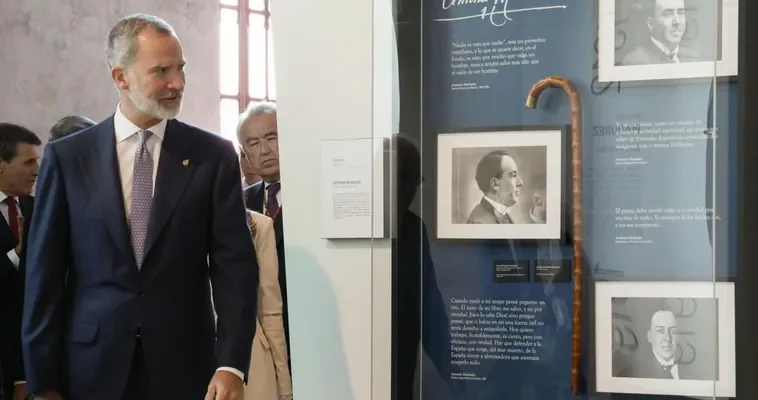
(141, 294)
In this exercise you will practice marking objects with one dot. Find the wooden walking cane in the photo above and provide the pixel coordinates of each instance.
(576, 155)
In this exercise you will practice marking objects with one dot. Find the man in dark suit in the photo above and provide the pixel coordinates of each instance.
(666, 20)
(498, 178)
(259, 139)
(142, 214)
(19, 158)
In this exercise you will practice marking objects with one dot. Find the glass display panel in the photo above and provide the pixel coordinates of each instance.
(569, 226)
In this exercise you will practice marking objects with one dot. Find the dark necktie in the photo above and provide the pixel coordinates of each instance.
(142, 197)
(272, 204)
(12, 215)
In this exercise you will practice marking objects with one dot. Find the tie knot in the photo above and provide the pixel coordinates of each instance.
(144, 135)
(11, 201)
(273, 189)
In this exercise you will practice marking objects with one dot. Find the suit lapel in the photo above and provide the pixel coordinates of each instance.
(101, 172)
(174, 172)
(27, 207)
(6, 235)
(278, 225)
(255, 199)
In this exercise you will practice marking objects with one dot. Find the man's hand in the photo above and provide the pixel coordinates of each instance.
(20, 245)
(51, 395)
(19, 392)
(224, 386)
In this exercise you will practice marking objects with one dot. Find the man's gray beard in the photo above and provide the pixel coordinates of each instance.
(152, 108)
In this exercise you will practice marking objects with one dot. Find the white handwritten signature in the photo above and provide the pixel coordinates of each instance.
(491, 12)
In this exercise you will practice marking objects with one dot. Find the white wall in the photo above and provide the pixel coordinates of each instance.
(328, 56)
(52, 58)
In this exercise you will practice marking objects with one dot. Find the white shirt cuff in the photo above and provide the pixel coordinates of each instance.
(234, 371)
(14, 257)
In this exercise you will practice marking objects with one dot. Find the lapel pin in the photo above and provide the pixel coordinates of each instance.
(185, 163)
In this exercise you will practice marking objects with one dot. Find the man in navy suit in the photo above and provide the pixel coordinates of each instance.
(19, 158)
(136, 218)
(258, 135)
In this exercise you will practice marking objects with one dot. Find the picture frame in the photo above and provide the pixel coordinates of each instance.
(704, 31)
(465, 213)
(665, 338)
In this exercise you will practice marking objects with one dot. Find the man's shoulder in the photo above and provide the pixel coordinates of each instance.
(77, 141)
(688, 54)
(262, 221)
(201, 137)
(480, 215)
(640, 55)
(254, 188)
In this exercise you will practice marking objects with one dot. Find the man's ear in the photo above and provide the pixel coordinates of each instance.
(494, 183)
(119, 78)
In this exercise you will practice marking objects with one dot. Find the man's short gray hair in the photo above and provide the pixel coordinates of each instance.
(255, 110)
(122, 39)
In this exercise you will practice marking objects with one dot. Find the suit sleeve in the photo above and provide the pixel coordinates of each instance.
(48, 257)
(233, 267)
(270, 307)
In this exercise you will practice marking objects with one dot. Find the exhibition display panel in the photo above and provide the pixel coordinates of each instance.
(567, 199)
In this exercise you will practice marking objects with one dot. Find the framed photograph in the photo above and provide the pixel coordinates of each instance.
(642, 40)
(500, 184)
(665, 338)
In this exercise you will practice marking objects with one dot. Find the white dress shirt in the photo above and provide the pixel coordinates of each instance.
(127, 143)
(500, 208)
(12, 256)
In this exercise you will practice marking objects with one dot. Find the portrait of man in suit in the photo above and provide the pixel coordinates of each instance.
(663, 24)
(497, 176)
(659, 351)
(19, 158)
(139, 233)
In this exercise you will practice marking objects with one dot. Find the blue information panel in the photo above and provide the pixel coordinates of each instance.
(658, 204)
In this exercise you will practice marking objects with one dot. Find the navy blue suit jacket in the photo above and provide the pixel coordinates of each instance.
(79, 330)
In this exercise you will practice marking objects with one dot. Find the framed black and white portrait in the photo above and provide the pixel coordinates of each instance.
(500, 185)
(642, 40)
(665, 338)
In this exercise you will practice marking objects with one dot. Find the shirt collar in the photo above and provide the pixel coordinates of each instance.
(664, 362)
(3, 196)
(497, 206)
(664, 49)
(125, 128)
(267, 184)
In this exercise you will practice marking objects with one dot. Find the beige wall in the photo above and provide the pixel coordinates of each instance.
(52, 58)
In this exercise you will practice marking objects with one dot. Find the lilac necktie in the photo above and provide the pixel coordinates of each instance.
(272, 204)
(142, 197)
